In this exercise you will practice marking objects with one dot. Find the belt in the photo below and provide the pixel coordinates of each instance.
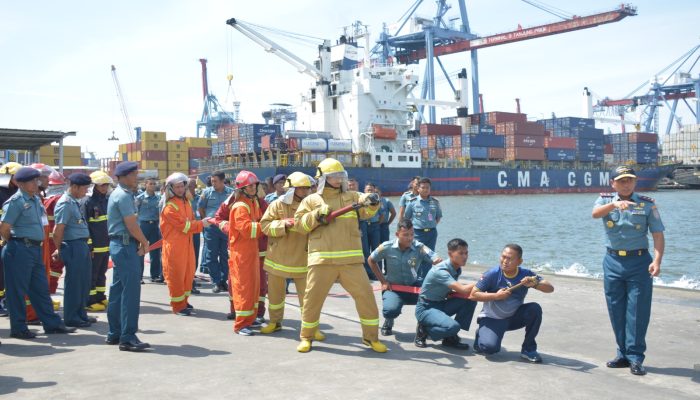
(150, 222)
(425, 229)
(120, 237)
(27, 241)
(79, 239)
(625, 253)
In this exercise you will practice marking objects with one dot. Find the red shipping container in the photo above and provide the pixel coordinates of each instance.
(382, 132)
(439, 129)
(608, 149)
(520, 128)
(497, 153)
(560, 142)
(199, 152)
(492, 118)
(154, 155)
(525, 141)
(524, 153)
(639, 137)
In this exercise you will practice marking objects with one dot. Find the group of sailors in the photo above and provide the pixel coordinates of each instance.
(312, 231)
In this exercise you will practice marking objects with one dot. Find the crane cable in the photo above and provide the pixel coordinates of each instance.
(557, 12)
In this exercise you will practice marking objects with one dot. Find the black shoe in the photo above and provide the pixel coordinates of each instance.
(160, 279)
(190, 306)
(637, 369)
(143, 343)
(81, 324)
(388, 325)
(185, 312)
(421, 336)
(60, 329)
(142, 282)
(111, 342)
(216, 288)
(133, 346)
(91, 319)
(195, 290)
(454, 342)
(618, 362)
(224, 286)
(24, 335)
(231, 316)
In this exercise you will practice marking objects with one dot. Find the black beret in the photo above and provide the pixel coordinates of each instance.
(26, 174)
(125, 168)
(79, 179)
(278, 177)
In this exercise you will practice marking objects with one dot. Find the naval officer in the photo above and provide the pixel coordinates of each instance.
(628, 267)
(22, 229)
(126, 244)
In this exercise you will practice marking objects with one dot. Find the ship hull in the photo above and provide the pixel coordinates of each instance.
(484, 181)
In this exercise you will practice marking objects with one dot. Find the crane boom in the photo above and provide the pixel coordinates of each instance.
(272, 47)
(576, 23)
(122, 104)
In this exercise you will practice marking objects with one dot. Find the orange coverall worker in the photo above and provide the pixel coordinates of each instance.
(335, 253)
(56, 267)
(244, 262)
(177, 225)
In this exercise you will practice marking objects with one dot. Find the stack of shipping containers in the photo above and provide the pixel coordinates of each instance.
(589, 140)
(49, 155)
(439, 141)
(198, 149)
(178, 157)
(152, 152)
(524, 141)
(683, 146)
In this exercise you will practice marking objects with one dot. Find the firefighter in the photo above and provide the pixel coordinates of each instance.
(57, 186)
(244, 263)
(8, 187)
(335, 253)
(178, 224)
(96, 214)
(286, 255)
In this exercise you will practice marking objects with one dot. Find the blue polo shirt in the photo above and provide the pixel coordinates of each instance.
(26, 214)
(401, 265)
(270, 197)
(148, 207)
(423, 213)
(493, 280)
(628, 229)
(67, 212)
(406, 197)
(122, 203)
(437, 281)
(210, 200)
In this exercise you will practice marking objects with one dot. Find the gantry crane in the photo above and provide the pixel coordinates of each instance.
(213, 115)
(122, 104)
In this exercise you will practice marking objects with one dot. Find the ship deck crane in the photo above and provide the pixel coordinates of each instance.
(660, 92)
(436, 40)
(122, 104)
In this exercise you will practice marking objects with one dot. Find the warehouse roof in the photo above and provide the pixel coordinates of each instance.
(29, 139)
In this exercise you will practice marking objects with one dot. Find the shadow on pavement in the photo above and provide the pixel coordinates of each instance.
(186, 350)
(693, 374)
(11, 384)
(28, 348)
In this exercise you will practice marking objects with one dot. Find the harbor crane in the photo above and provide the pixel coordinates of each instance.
(122, 104)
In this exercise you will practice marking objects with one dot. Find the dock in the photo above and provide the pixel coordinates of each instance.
(200, 356)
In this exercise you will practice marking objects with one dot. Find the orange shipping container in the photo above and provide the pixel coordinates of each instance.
(497, 153)
(524, 153)
(381, 132)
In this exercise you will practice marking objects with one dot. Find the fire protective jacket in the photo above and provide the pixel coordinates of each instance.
(286, 250)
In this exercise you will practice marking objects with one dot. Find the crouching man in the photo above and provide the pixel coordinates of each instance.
(503, 289)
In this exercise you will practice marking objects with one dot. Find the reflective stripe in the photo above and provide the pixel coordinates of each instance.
(50, 217)
(2, 293)
(309, 324)
(262, 253)
(188, 293)
(276, 306)
(101, 218)
(174, 205)
(55, 274)
(101, 289)
(89, 240)
(240, 203)
(286, 268)
(349, 215)
(272, 233)
(336, 254)
(101, 249)
(51, 234)
(93, 292)
(245, 313)
(253, 230)
(371, 322)
(27, 302)
(188, 224)
(306, 227)
(262, 298)
(177, 299)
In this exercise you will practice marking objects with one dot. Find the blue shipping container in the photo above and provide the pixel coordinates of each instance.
(488, 141)
(560, 154)
(590, 156)
(589, 144)
(643, 148)
(480, 153)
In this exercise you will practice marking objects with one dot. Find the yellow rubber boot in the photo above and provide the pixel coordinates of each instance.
(318, 335)
(96, 307)
(271, 327)
(56, 304)
(105, 302)
(377, 346)
(304, 346)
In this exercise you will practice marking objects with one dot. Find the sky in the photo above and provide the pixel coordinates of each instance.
(55, 73)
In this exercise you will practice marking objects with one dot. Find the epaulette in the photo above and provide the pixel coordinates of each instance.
(436, 200)
(607, 195)
(646, 198)
(413, 198)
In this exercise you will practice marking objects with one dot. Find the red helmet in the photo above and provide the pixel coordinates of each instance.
(246, 178)
(57, 178)
(43, 168)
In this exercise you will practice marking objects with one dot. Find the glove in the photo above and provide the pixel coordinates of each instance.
(370, 198)
(322, 214)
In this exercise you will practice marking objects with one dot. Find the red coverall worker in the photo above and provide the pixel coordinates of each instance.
(244, 261)
(177, 225)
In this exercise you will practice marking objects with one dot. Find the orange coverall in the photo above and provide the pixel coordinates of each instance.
(46, 250)
(244, 262)
(177, 225)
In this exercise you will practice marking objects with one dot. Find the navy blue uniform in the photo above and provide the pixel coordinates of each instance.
(215, 253)
(425, 215)
(509, 314)
(25, 271)
(628, 284)
(434, 309)
(75, 253)
(149, 216)
(96, 213)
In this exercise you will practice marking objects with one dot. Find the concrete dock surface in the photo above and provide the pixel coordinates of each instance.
(200, 357)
